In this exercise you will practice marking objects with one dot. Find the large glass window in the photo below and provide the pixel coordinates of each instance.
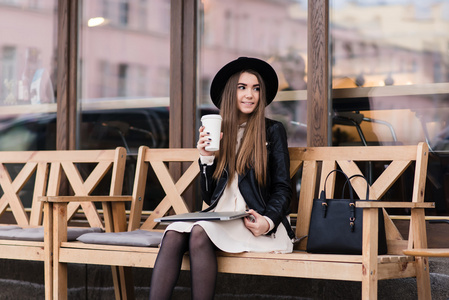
(124, 74)
(28, 75)
(390, 77)
(124, 71)
(275, 31)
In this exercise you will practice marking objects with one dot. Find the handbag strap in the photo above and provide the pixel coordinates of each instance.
(352, 207)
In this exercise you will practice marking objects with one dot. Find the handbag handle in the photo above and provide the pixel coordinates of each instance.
(351, 196)
(323, 199)
(349, 181)
(323, 192)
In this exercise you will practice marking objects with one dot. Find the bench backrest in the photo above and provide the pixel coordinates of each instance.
(314, 162)
(394, 161)
(158, 159)
(44, 172)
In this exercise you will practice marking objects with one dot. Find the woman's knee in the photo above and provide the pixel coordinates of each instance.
(199, 237)
(175, 240)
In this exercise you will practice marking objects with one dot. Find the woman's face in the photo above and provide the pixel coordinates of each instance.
(248, 89)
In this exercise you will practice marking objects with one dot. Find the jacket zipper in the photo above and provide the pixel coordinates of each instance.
(205, 177)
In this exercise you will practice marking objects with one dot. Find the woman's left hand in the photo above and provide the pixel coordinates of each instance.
(256, 223)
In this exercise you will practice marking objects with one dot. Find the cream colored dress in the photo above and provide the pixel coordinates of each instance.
(232, 236)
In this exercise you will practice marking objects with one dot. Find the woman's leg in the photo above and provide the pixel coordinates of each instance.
(203, 264)
(168, 264)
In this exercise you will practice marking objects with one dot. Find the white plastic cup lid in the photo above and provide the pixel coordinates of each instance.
(210, 117)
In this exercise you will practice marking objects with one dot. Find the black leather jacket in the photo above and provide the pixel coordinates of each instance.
(273, 200)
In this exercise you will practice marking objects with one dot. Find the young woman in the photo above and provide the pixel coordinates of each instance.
(250, 172)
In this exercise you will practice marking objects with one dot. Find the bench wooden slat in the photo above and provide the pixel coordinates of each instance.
(382, 204)
(256, 265)
(171, 155)
(291, 268)
(144, 259)
(22, 251)
(357, 153)
(22, 243)
(85, 198)
(288, 265)
(296, 255)
(302, 255)
(429, 252)
(80, 245)
(310, 169)
(39, 190)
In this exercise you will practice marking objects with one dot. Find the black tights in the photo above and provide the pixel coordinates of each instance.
(203, 264)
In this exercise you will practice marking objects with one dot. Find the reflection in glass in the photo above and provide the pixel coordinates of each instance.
(390, 77)
(125, 71)
(393, 42)
(275, 31)
(396, 54)
(124, 77)
(28, 75)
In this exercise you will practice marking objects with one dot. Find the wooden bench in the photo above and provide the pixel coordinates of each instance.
(28, 175)
(315, 164)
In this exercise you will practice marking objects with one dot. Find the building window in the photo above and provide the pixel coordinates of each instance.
(123, 12)
(8, 85)
(122, 86)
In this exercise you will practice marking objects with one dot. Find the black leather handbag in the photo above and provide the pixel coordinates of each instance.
(336, 225)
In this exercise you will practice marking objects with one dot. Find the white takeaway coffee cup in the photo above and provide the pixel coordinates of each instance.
(212, 124)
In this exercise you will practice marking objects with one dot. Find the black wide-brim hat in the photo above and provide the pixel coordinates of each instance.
(242, 64)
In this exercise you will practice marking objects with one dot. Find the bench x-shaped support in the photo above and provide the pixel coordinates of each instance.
(80, 187)
(172, 190)
(12, 188)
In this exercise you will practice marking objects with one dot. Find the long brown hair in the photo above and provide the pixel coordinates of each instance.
(253, 150)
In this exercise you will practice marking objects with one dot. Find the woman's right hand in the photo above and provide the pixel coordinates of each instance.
(203, 141)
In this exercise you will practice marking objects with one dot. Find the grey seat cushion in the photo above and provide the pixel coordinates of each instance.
(140, 238)
(37, 234)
